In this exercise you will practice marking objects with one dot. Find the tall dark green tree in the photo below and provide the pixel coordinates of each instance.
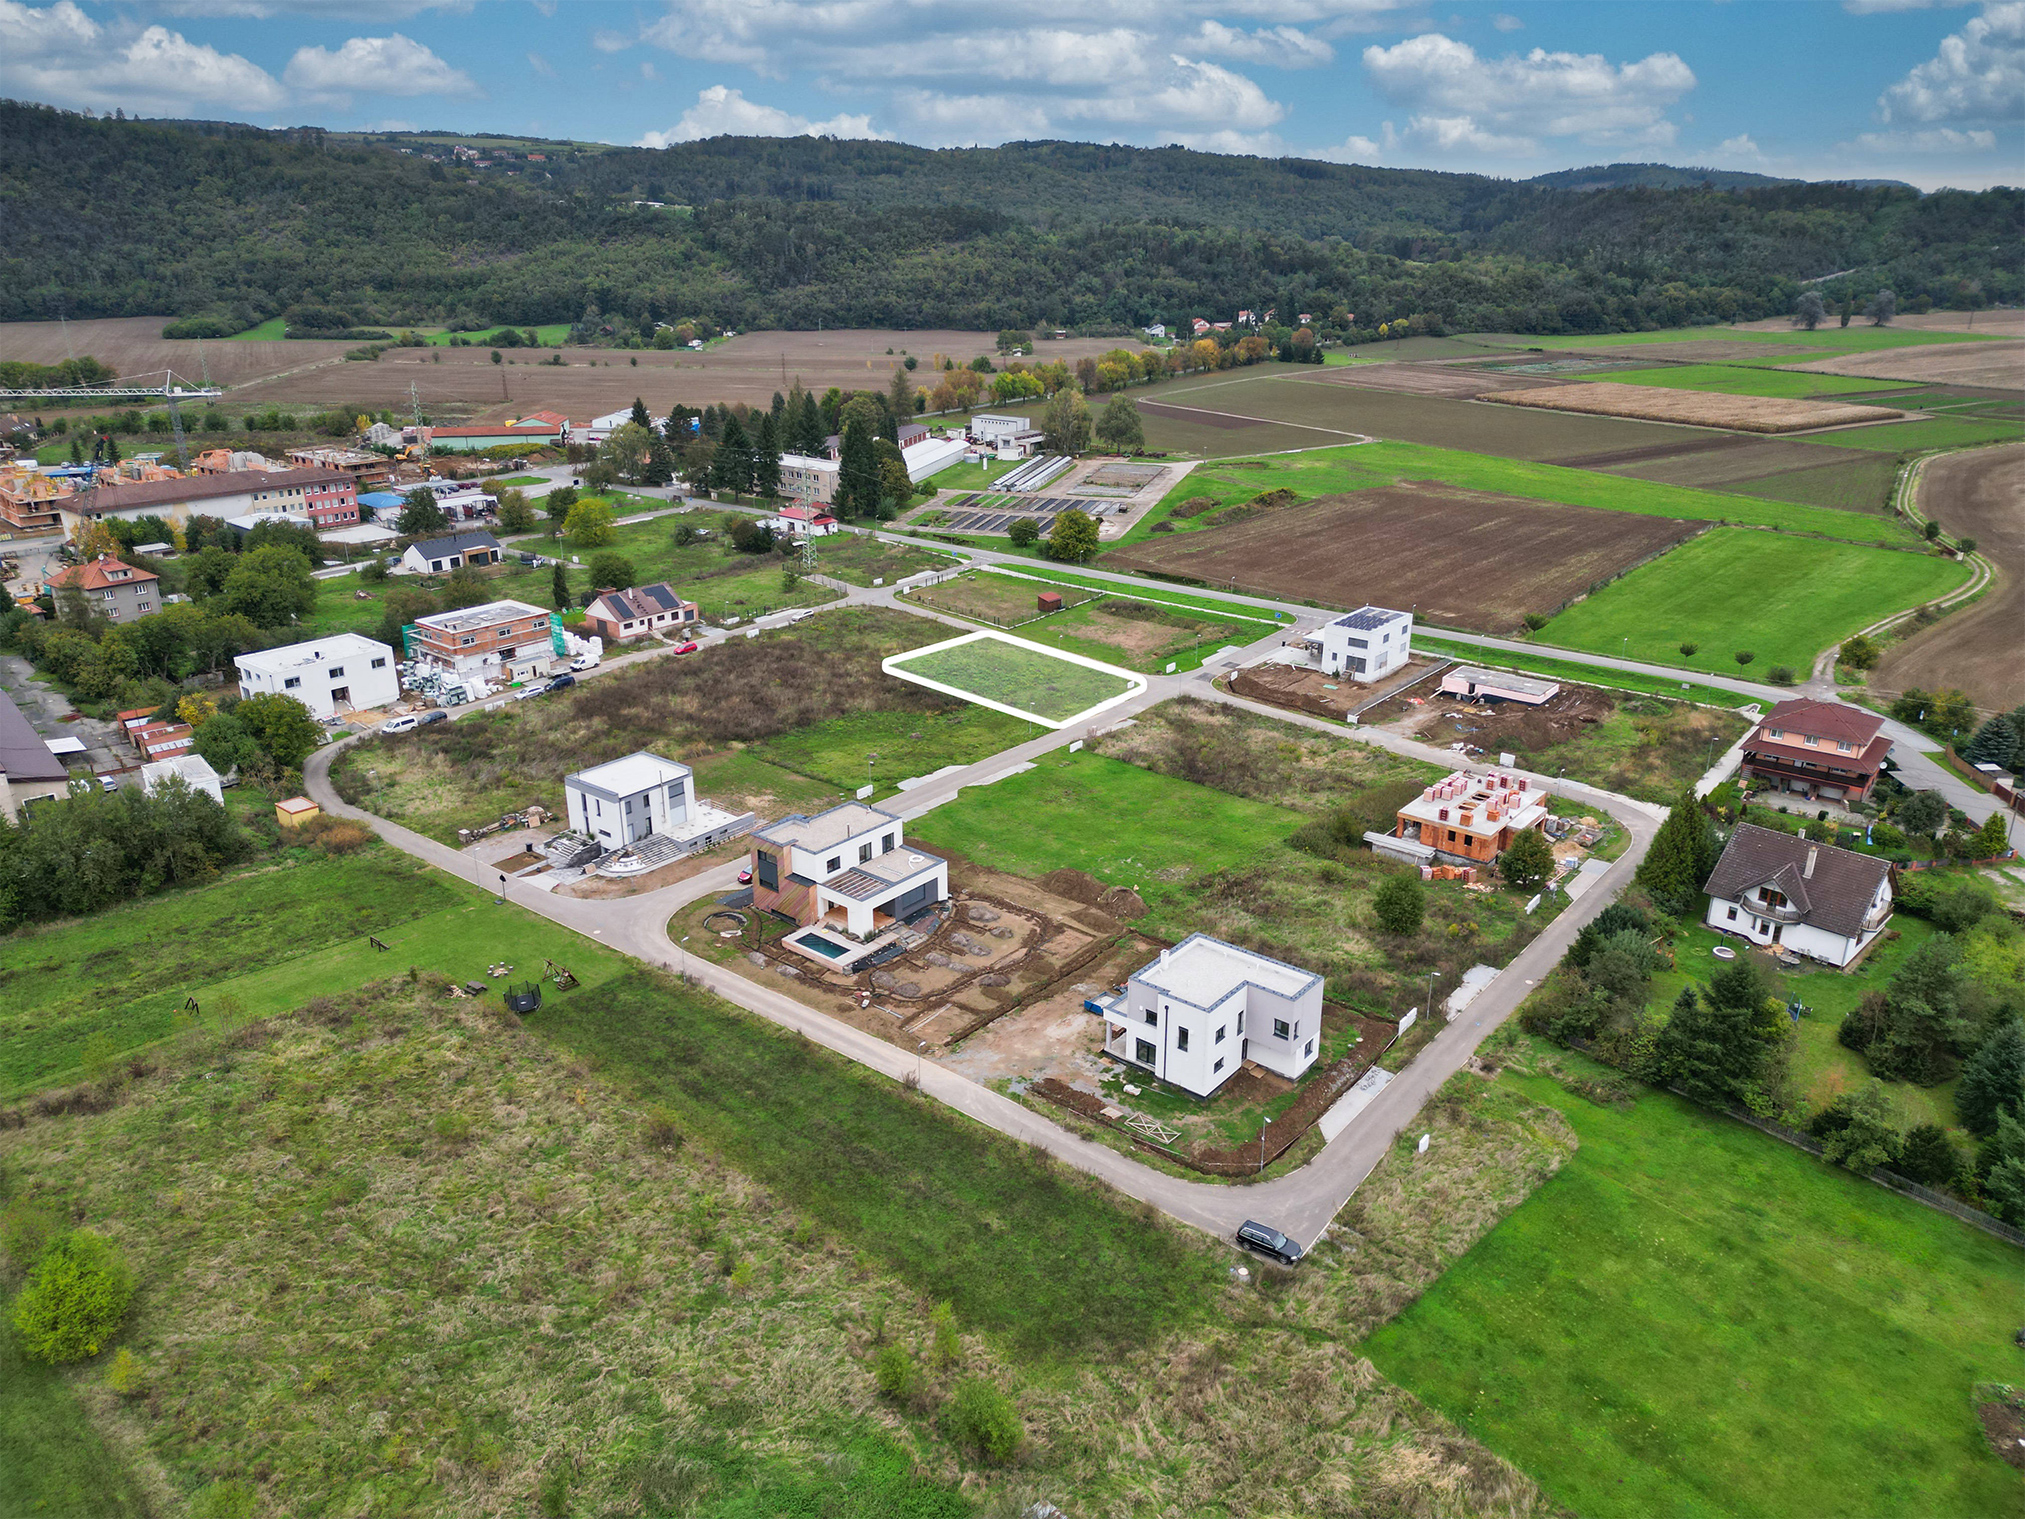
(640, 416)
(859, 482)
(731, 465)
(900, 396)
(808, 431)
(766, 456)
(1682, 856)
(1711, 1052)
(1995, 743)
(1993, 1080)
(559, 590)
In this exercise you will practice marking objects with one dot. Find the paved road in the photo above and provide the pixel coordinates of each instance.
(1302, 1202)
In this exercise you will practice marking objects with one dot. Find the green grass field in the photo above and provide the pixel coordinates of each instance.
(549, 335)
(1913, 437)
(267, 940)
(52, 1461)
(1055, 689)
(1858, 481)
(1784, 599)
(1693, 1319)
(974, 477)
(1731, 380)
(1859, 338)
(273, 330)
(1331, 470)
(882, 748)
(1155, 831)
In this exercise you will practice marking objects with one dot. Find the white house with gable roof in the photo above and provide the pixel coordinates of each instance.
(1202, 1009)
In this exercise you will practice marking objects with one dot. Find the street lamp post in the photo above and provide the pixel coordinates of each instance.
(1264, 1124)
(920, 1054)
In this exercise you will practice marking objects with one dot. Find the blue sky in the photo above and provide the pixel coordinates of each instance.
(1921, 90)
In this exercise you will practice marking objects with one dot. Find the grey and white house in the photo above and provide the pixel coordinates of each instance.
(1825, 903)
(849, 867)
(1366, 645)
(438, 555)
(1196, 1014)
(643, 796)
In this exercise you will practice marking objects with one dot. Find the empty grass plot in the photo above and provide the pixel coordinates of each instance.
(1696, 408)
(1015, 677)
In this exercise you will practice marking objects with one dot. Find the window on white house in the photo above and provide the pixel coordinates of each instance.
(1144, 1052)
(886, 844)
(291, 682)
(1281, 1029)
(379, 664)
(1241, 1024)
(864, 853)
(1217, 1067)
(336, 671)
(1733, 915)
(1181, 1039)
(1151, 1016)
(836, 863)
(1221, 1032)
(1310, 1049)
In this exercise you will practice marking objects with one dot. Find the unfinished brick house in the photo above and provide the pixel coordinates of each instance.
(1471, 819)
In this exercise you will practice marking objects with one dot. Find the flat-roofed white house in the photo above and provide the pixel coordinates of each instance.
(1366, 645)
(342, 673)
(807, 479)
(627, 801)
(1196, 1014)
(848, 867)
(1472, 684)
(995, 428)
(193, 770)
(1773, 888)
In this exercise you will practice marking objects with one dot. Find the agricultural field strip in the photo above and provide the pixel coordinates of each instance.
(1180, 606)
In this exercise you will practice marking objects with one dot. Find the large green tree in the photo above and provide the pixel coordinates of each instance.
(281, 725)
(1712, 1052)
(271, 586)
(1993, 1080)
(766, 457)
(1065, 422)
(731, 465)
(1682, 856)
(1119, 427)
(860, 483)
(1073, 538)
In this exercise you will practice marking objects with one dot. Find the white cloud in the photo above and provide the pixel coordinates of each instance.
(1506, 23)
(390, 65)
(540, 65)
(1978, 73)
(1739, 146)
(355, 11)
(59, 54)
(1930, 140)
(724, 112)
(1285, 47)
(647, 70)
(1352, 150)
(1876, 7)
(607, 41)
(1465, 101)
(392, 124)
(1206, 93)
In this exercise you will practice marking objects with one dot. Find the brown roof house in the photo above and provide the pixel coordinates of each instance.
(1825, 903)
(619, 615)
(1817, 749)
(117, 592)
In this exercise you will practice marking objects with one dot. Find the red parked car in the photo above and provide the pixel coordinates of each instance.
(745, 878)
(685, 648)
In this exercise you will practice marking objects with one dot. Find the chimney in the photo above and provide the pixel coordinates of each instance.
(1807, 870)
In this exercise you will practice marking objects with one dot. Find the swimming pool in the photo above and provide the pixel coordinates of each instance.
(829, 949)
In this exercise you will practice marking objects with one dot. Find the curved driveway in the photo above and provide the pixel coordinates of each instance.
(1302, 1202)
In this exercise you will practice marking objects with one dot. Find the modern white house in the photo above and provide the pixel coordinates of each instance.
(1196, 1014)
(1775, 888)
(193, 770)
(1366, 645)
(628, 801)
(848, 868)
(342, 673)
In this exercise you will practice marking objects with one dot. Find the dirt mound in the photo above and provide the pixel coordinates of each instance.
(1122, 902)
(1074, 886)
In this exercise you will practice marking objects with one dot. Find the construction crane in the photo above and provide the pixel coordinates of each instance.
(173, 390)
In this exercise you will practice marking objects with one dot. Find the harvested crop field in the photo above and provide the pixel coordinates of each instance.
(464, 382)
(1431, 379)
(1997, 365)
(1466, 559)
(1291, 406)
(1696, 408)
(1980, 494)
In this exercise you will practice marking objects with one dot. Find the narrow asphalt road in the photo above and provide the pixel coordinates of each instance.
(1302, 1202)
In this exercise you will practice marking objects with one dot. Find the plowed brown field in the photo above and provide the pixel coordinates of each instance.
(1465, 559)
(1697, 408)
(1978, 494)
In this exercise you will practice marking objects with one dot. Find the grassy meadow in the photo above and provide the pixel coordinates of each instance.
(1690, 1318)
(1784, 599)
(1050, 688)
(1738, 380)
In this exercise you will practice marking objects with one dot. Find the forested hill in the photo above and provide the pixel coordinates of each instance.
(106, 218)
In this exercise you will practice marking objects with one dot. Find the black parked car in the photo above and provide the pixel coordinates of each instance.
(1262, 1239)
(432, 717)
(561, 683)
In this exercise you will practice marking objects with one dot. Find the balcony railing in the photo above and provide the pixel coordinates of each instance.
(1786, 913)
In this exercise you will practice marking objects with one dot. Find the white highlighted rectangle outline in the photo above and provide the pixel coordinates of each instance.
(1134, 685)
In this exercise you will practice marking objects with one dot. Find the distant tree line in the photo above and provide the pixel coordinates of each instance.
(800, 233)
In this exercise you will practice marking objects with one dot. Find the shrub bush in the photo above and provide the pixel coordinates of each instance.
(895, 1373)
(983, 1418)
(1782, 675)
(75, 1299)
(1400, 902)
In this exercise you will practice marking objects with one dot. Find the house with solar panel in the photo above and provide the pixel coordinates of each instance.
(1366, 645)
(848, 868)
